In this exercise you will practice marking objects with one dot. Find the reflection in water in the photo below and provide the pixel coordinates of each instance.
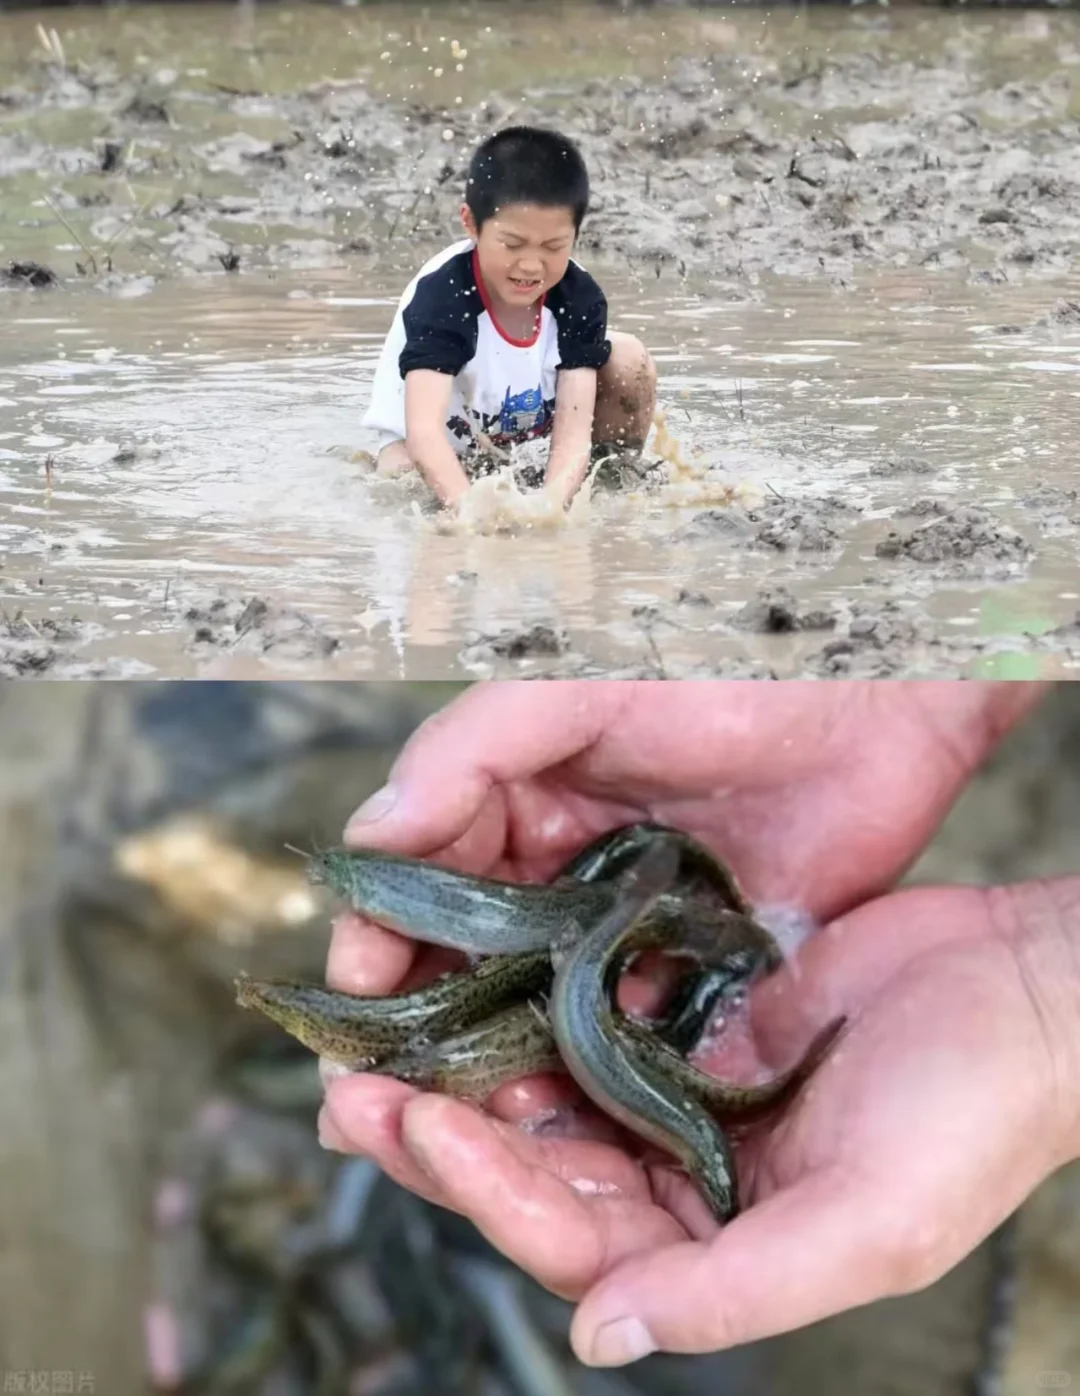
(208, 436)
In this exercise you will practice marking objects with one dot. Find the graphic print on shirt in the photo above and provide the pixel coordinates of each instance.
(503, 388)
(524, 412)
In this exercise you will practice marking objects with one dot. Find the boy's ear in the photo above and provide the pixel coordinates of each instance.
(469, 222)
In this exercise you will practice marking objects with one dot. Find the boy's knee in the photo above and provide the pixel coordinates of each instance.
(630, 373)
(629, 355)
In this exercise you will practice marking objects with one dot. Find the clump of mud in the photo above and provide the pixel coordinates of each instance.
(926, 508)
(685, 596)
(967, 535)
(719, 524)
(1058, 510)
(796, 527)
(535, 642)
(901, 465)
(256, 626)
(526, 644)
(29, 275)
(1051, 497)
(877, 641)
(780, 525)
(775, 611)
(30, 649)
(1063, 314)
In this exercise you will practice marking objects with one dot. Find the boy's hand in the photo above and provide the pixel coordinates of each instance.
(427, 401)
(561, 490)
(571, 438)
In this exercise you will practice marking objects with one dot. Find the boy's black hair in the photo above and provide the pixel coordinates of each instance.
(527, 165)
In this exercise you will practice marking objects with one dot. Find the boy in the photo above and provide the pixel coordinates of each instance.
(502, 338)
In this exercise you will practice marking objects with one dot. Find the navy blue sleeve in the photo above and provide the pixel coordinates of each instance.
(580, 310)
(440, 322)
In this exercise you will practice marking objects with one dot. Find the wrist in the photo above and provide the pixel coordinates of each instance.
(564, 476)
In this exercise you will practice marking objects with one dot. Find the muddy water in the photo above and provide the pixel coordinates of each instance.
(204, 441)
(892, 411)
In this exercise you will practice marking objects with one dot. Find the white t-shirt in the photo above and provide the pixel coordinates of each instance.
(503, 387)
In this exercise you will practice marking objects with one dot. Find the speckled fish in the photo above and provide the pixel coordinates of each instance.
(606, 1065)
(514, 1043)
(725, 1100)
(357, 1032)
(479, 915)
(702, 881)
(699, 870)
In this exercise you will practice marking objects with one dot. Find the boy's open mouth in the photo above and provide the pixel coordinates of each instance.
(522, 285)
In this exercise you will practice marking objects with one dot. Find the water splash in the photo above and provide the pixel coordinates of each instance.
(497, 503)
(696, 482)
(790, 925)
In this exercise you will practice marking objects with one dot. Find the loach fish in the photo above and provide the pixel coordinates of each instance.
(634, 1092)
(699, 870)
(485, 916)
(467, 1032)
(458, 910)
(725, 1100)
(514, 1043)
(357, 1032)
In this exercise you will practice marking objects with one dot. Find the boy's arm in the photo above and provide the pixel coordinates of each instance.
(427, 401)
(571, 436)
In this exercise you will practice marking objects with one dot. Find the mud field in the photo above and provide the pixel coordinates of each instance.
(847, 236)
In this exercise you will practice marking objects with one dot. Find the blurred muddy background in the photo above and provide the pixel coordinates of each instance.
(847, 233)
(168, 1219)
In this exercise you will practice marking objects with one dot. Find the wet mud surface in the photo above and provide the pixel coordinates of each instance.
(846, 237)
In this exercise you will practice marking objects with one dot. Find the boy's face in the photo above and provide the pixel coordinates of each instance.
(523, 250)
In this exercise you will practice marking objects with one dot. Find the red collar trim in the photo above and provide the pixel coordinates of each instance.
(517, 343)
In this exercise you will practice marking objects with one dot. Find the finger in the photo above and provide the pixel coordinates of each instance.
(872, 769)
(364, 958)
(791, 764)
(565, 1210)
(496, 733)
(675, 1193)
(552, 1106)
(800, 1256)
(362, 1115)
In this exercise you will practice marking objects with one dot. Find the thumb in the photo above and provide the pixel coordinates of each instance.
(494, 734)
(801, 1255)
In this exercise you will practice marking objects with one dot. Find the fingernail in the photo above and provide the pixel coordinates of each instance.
(619, 1341)
(374, 808)
(330, 1136)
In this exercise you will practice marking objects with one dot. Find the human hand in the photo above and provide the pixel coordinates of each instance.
(514, 778)
(954, 1093)
(560, 490)
(819, 795)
